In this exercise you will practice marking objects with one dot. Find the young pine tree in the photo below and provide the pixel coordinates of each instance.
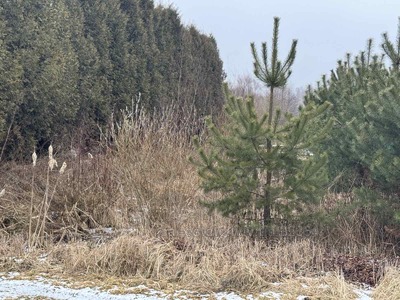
(273, 76)
(238, 162)
(246, 170)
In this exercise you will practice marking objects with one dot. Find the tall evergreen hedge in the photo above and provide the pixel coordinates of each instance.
(66, 66)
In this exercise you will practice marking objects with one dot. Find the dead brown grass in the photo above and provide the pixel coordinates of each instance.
(242, 266)
(389, 286)
(144, 188)
(325, 287)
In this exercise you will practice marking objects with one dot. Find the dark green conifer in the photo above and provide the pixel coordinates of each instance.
(363, 145)
(69, 65)
(256, 163)
(238, 162)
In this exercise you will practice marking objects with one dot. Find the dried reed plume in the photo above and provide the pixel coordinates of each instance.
(37, 236)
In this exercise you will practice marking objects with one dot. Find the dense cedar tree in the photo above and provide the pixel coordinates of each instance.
(67, 66)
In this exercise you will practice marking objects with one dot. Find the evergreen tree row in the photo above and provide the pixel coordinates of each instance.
(363, 146)
(70, 64)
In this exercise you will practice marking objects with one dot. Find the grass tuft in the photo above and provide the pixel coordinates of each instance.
(389, 286)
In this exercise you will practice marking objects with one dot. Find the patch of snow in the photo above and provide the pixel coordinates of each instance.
(18, 260)
(363, 294)
(43, 257)
(37, 288)
(108, 230)
(276, 296)
(230, 296)
(276, 283)
(11, 274)
(11, 288)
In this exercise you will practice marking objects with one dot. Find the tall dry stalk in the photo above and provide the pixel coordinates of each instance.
(30, 233)
(37, 237)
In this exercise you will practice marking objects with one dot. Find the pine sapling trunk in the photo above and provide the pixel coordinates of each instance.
(267, 206)
(270, 110)
(273, 74)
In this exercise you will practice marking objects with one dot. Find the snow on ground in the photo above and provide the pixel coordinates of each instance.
(11, 288)
(29, 288)
(363, 294)
(15, 289)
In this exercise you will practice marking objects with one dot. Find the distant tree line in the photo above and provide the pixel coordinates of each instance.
(66, 66)
(287, 98)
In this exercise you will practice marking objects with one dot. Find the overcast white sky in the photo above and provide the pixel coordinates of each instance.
(326, 29)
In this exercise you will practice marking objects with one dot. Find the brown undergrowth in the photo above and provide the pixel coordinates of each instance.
(133, 210)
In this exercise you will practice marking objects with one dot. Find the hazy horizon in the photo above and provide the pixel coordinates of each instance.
(326, 30)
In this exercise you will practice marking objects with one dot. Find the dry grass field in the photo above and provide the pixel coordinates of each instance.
(131, 211)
